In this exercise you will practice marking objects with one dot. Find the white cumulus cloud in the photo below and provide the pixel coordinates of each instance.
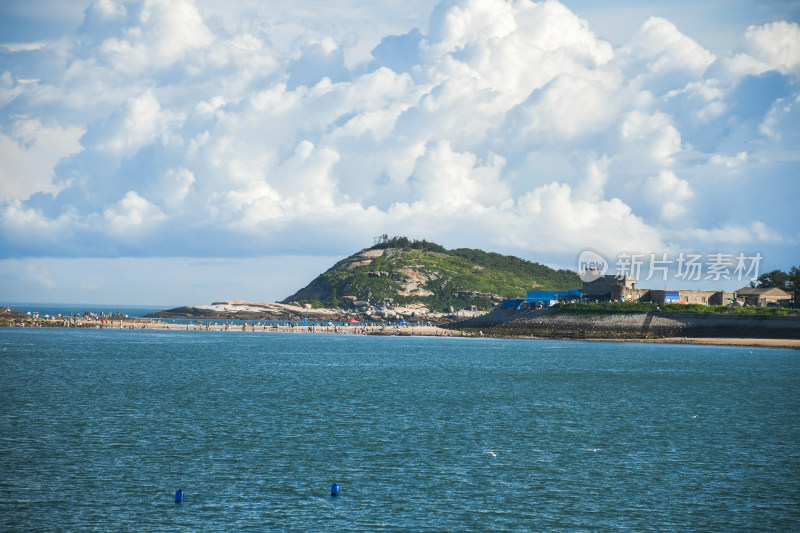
(140, 122)
(29, 154)
(669, 192)
(776, 44)
(485, 123)
(131, 216)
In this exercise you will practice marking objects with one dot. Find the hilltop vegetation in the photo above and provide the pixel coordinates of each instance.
(403, 272)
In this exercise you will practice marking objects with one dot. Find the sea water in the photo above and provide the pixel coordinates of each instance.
(99, 428)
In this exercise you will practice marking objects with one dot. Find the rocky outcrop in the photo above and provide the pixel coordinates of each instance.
(240, 310)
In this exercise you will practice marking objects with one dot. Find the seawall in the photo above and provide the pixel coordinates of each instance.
(566, 325)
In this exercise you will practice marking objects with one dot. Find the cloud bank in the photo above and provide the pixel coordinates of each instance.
(158, 130)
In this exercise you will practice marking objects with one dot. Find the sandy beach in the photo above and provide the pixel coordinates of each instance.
(770, 343)
(711, 341)
(351, 329)
(356, 329)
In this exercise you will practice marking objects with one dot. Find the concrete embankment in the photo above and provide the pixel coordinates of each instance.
(568, 325)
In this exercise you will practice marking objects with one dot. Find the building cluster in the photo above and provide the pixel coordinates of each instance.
(611, 288)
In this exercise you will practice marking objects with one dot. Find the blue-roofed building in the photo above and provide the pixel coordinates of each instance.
(548, 298)
(543, 298)
(572, 294)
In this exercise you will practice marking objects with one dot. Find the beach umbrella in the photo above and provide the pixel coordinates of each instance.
(352, 321)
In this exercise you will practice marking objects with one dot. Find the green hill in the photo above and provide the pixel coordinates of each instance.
(402, 272)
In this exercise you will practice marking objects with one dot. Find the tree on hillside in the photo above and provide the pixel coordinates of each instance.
(789, 282)
(793, 284)
(768, 280)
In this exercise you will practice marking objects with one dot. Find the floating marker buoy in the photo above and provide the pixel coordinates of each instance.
(335, 489)
(179, 496)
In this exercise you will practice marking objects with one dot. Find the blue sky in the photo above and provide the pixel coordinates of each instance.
(176, 152)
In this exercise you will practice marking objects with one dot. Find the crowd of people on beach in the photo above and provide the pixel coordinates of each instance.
(119, 321)
(295, 327)
(35, 319)
(298, 327)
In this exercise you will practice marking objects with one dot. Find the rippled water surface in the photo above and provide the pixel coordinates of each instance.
(98, 428)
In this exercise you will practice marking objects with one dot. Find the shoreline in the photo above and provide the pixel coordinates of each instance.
(712, 341)
(793, 344)
(403, 331)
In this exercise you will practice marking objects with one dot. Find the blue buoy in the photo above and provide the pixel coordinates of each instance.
(335, 489)
(179, 496)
